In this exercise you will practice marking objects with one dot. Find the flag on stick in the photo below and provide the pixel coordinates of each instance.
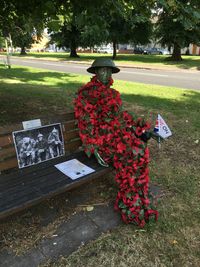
(161, 128)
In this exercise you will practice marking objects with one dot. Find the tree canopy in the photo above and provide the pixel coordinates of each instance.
(178, 24)
(86, 23)
(23, 21)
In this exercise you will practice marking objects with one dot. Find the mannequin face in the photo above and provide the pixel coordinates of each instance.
(104, 74)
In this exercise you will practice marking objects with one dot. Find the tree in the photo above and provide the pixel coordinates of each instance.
(63, 25)
(86, 23)
(117, 22)
(178, 24)
(127, 21)
(76, 23)
(24, 33)
(68, 35)
(2, 42)
(23, 21)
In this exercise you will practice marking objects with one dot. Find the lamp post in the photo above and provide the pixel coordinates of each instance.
(8, 63)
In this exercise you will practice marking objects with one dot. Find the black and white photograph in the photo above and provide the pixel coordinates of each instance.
(39, 144)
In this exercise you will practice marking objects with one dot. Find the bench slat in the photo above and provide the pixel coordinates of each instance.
(73, 146)
(13, 195)
(70, 125)
(71, 135)
(19, 200)
(29, 180)
(6, 140)
(10, 128)
(7, 152)
(32, 169)
(70, 116)
(30, 175)
(8, 164)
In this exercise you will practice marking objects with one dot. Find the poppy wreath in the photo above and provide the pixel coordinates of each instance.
(114, 137)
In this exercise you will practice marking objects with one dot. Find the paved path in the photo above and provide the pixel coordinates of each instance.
(81, 228)
(176, 78)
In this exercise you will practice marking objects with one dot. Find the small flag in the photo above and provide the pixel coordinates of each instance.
(161, 128)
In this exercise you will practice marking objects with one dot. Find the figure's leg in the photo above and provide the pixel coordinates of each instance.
(51, 152)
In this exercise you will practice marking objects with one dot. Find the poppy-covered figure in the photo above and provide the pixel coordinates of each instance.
(117, 139)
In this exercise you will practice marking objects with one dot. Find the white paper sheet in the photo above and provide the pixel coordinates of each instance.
(31, 124)
(74, 168)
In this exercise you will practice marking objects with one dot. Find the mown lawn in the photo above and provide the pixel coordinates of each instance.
(189, 62)
(26, 93)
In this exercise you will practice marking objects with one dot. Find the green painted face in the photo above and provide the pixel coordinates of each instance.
(104, 74)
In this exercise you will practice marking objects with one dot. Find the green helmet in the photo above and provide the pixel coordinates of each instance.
(103, 62)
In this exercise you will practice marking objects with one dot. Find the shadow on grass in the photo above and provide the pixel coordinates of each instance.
(19, 102)
(26, 95)
(24, 75)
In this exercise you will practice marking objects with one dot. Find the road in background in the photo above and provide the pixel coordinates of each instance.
(175, 78)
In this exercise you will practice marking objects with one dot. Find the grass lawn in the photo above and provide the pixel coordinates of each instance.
(26, 93)
(189, 62)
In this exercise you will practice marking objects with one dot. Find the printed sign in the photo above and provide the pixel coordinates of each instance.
(74, 169)
(31, 124)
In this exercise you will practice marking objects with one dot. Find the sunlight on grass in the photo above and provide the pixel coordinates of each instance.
(14, 81)
(128, 88)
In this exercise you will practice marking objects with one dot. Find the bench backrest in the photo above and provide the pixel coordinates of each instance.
(8, 159)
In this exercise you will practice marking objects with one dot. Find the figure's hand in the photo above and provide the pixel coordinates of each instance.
(145, 136)
(150, 134)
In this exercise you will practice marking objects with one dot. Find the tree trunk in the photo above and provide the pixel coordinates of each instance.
(23, 51)
(176, 55)
(114, 50)
(73, 44)
(73, 52)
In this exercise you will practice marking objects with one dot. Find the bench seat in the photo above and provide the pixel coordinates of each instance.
(30, 186)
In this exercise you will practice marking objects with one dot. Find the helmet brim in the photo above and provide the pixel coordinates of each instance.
(92, 69)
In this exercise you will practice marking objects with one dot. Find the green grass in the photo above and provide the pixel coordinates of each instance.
(27, 93)
(189, 62)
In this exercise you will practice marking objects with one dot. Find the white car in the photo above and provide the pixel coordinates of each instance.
(105, 50)
(165, 52)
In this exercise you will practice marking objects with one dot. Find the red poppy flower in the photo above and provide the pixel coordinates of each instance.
(88, 107)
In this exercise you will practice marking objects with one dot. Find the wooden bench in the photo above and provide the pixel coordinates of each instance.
(22, 188)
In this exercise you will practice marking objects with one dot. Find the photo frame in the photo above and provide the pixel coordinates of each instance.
(38, 144)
